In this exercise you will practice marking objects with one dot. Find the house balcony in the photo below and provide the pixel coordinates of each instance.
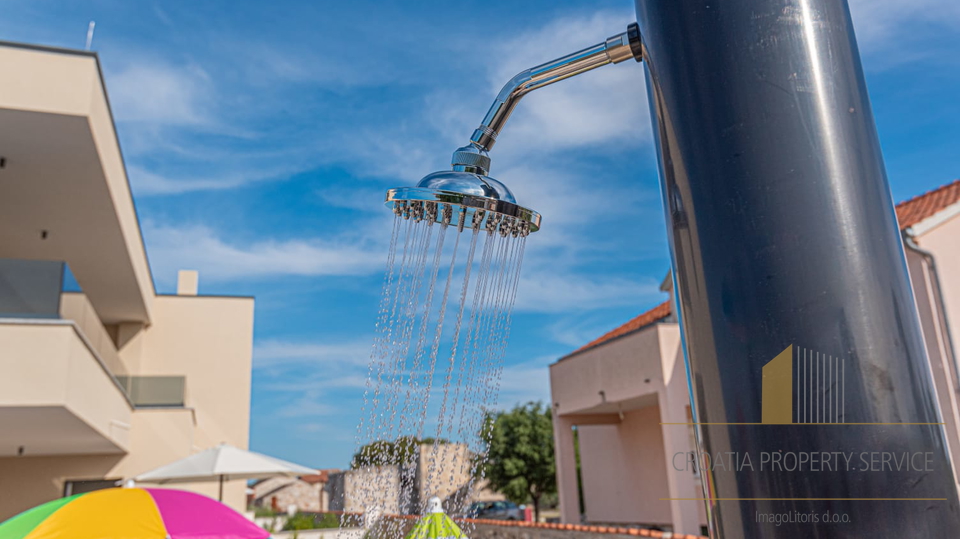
(64, 388)
(622, 375)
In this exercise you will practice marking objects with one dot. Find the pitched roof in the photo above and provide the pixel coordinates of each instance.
(918, 208)
(909, 213)
(654, 315)
(321, 477)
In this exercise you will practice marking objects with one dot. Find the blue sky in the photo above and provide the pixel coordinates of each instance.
(259, 138)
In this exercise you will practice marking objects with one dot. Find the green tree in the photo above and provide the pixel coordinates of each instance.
(520, 461)
(384, 452)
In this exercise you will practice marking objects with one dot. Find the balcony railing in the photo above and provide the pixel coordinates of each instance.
(75, 306)
(30, 288)
(155, 391)
(45, 289)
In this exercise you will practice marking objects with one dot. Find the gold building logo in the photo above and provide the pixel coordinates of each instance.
(803, 386)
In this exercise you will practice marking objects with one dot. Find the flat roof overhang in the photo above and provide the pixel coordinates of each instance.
(63, 173)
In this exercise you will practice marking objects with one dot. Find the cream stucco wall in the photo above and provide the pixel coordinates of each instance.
(206, 339)
(48, 370)
(617, 395)
(29, 481)
(59, 140)
(63, 414)
(944, 243)
(623, 470)
(936, 288)
(210, 341)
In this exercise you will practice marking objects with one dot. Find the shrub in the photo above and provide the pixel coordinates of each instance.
(299, 521)
(262, 512)
(312, 521)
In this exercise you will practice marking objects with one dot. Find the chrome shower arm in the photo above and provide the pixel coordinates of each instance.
(614, 50)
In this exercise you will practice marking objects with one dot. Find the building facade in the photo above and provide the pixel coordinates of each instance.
(623, 398)
(101, 378)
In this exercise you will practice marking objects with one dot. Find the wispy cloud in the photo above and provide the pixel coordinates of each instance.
(161, 94)
(272, 353)
(891, 32)
(199, 247)
(602, 107)
(557, 293)
(524, 382)
(310, 403)
(575, 331)
(146, 182)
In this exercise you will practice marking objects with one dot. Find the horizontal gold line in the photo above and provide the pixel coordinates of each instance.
(806, 424)
(806, 499)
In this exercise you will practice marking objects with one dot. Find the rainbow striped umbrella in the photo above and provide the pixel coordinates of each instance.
(132, 513)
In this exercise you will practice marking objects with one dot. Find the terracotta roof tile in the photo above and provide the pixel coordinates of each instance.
(918, 208)
(653, 315)
(321, 477)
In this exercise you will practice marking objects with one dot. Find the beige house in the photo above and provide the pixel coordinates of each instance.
(98, 385)
(612, 395)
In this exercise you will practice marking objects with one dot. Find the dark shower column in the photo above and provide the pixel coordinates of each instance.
(782, 233)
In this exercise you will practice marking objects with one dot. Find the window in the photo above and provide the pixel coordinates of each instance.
(79, 486)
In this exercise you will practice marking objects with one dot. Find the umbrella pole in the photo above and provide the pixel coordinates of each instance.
(221, 488)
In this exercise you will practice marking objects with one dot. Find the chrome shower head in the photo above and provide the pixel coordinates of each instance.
(466, 198)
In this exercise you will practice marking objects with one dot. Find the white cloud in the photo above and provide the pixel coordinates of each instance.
(355, 379)
(554, 292)
(878, 22)
(271, 353)
(145, 182)
(311, 403)
(604, 106)
(311, 378)
(524, 382)
(353, 197)
(576, 331)
(199, 247)
(161, 94)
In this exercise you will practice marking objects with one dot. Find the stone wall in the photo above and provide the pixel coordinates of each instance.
(443, 469)
(374, 488)
(281, 492)
(499, 529)
(493, 529)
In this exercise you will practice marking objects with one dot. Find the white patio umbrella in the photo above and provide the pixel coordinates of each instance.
(223, 463)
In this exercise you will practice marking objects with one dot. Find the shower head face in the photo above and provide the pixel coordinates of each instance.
(466, 200)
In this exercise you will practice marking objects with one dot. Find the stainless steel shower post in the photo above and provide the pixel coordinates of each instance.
(785, 245)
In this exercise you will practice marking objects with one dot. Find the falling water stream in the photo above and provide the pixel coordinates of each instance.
(436, 362)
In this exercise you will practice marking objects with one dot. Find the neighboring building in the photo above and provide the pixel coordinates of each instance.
(931, 230)
(618, 389)
(98, 385)
(370, 489)
(307, 493)
(443, 470)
